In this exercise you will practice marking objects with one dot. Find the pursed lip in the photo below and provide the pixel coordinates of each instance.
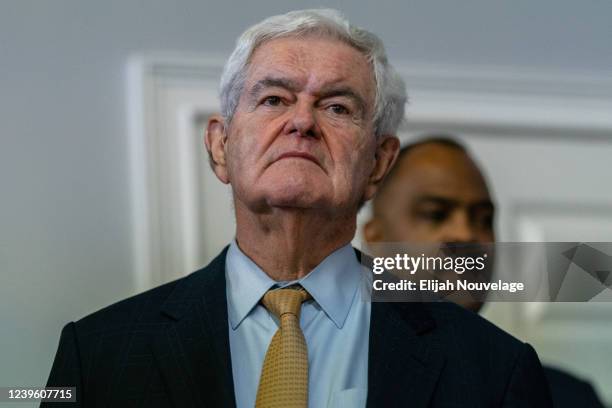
(300, 155)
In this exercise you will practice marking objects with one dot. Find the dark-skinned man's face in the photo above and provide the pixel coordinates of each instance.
(436, 195)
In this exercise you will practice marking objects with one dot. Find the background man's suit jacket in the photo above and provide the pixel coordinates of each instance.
(169, 347)
(569, 391)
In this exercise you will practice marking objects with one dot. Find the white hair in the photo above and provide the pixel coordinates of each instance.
(390, 88)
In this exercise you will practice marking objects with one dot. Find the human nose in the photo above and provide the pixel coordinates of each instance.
(303, 121)
(460, 229)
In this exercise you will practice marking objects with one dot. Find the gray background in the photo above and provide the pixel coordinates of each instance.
(64, 194)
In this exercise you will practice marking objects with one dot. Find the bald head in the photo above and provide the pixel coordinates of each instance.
(435, 194)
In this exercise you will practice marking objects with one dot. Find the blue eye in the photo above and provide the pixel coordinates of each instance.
(338, 109)
(271, 101)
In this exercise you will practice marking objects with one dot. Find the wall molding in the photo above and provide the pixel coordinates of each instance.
(488, 100)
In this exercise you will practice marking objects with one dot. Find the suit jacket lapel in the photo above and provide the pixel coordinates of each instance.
(404, 362)
(192, 350)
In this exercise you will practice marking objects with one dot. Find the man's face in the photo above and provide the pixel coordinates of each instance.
(437, 195)
(302, 135)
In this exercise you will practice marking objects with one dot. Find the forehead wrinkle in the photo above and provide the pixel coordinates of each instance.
(301, 64)
(272, 81)
(341, 78)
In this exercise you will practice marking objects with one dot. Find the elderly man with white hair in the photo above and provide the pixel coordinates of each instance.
(310, 108)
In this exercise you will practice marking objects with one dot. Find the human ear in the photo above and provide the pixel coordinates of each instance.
(215, 139)
(387, 150)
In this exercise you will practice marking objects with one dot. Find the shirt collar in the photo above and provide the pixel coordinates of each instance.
(332, 284)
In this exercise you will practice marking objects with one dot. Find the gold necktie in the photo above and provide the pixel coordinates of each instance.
(284, 375)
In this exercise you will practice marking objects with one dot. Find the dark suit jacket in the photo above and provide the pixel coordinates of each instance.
(170, 347)
(569, 391)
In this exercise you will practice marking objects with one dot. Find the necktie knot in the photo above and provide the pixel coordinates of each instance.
(286, 300)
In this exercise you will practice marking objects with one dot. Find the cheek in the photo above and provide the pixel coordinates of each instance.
(360, 162)
(234, 166)
(243, 150)
(486, 236)
(417, 230)
(398, 226)
(257, 134)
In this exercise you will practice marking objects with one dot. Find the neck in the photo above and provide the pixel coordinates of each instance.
(288, 243)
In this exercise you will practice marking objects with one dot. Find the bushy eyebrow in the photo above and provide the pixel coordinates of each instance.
(343, 91)
(432, 199)
(272, 82)
(294, 86)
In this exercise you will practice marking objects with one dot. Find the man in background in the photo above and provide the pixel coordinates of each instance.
(436, 193)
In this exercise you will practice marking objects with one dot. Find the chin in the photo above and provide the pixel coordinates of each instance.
(303, 199)
(305, 191)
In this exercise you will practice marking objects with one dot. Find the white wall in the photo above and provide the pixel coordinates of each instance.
(64, 192)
